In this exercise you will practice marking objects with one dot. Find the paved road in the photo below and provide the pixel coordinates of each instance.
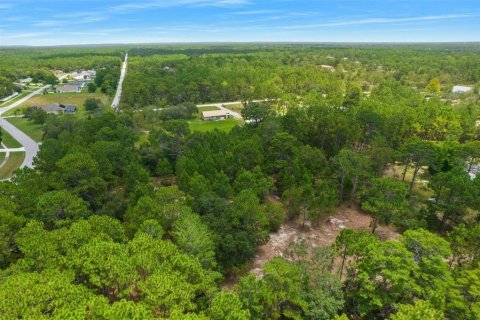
(8, 150)
(31, 147)
(118, 94)
(221, 106)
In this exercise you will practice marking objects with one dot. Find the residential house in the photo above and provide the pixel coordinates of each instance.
(69, 88)
(327, 67)
(84, 75)
(13, 95)
(215, 115)
(26, 80)
(462, 89)
(69, 109)
(54, 108)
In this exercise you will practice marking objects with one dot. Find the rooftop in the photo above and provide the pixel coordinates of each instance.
(215, 113)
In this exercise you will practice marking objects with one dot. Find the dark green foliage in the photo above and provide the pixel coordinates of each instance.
(36, 114)
(92, 104)
(108, 227)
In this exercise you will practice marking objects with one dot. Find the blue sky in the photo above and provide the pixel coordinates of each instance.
(63, 22)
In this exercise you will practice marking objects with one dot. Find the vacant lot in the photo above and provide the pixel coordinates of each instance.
(322, 234)
(65, 98)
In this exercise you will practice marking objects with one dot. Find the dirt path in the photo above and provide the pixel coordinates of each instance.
(322, 234)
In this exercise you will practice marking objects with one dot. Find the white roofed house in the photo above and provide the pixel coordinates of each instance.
(215, 115)
(70, 88)
(462, 89)
(26, 80)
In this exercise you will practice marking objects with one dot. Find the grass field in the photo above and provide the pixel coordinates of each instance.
(65, 98)
(29, 127)
(13, 162)
(223, 125)
(9, 141)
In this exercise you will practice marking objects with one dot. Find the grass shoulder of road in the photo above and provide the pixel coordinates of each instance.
(77, 99)
(8, 140)
(12, 164)
(30, 128)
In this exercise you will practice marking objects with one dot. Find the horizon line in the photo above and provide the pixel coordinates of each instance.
(237, 42)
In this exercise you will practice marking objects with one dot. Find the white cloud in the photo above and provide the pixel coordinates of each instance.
(139, 5)
(255, 12)
(379, 21)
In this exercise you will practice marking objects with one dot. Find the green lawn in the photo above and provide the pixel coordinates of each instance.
(30, 128)
(223, 125)
(12, 164)
(9, 141)
(76, 99)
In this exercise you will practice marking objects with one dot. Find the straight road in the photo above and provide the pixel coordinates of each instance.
(118, 94)
(31, 147)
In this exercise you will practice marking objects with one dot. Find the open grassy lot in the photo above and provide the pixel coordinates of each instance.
(65, 98)
(9, 141)
(30, 128)
(13, 162)
(204, 126)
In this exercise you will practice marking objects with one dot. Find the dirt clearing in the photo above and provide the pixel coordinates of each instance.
(321, 234)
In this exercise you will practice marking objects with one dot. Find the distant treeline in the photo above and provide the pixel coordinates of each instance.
(172, 75)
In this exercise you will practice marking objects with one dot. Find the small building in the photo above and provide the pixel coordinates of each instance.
(54, 108)
(13, 95)
(84, 75)
(462, 89)
(68, 108)
(26, 80)
(215, 115)
(327, 67)
(69, 88)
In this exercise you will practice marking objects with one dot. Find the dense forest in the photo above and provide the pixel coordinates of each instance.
(190, 76)
(39, 64)
(108, 226)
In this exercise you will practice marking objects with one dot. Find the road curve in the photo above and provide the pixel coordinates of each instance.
(31, 147)
(118, 94)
